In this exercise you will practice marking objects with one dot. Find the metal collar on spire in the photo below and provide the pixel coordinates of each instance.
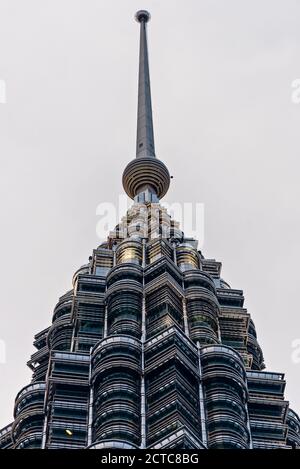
(145, 134)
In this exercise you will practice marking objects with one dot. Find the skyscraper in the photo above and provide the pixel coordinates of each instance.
(151, 348)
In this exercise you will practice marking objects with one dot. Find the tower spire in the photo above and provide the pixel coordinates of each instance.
(145, 134)
(146, 178)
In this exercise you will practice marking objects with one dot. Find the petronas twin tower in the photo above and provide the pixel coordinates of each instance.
(151, 348)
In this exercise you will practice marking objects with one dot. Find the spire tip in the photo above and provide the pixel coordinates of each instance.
(142, 15)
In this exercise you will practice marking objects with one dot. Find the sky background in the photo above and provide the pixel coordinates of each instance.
(225, 125)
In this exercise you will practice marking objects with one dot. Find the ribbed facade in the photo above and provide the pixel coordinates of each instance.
(151, 348)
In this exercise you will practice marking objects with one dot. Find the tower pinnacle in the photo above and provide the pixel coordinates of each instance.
(145, 179)
(142, 15)
(145, 134)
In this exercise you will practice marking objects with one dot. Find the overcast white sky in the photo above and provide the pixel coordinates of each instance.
(225, 125)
